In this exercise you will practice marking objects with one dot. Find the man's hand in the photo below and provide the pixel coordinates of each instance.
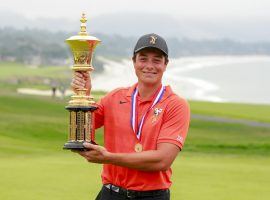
(95, 153)
(152, 160)
(81, 80)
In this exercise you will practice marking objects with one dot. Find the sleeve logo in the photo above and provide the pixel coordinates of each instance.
(180, 139)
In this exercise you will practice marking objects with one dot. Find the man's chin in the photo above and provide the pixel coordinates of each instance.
(150, 82)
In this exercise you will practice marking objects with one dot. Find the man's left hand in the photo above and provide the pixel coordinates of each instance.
(94, 153)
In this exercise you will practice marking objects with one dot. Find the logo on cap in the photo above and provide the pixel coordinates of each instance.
(153, 39)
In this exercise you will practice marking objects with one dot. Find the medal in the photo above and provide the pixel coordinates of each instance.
(138, 147)
(138, 130)
(134, 110)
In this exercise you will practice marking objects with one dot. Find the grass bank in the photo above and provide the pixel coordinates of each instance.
(219, 161)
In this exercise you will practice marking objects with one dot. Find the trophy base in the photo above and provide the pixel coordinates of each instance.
(76, 146)
(81, 108)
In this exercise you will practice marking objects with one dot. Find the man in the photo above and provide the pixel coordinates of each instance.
(145, 127)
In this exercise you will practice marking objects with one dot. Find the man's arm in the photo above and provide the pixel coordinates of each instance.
(152, 160)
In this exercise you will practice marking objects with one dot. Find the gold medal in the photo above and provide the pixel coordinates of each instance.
(138, 147)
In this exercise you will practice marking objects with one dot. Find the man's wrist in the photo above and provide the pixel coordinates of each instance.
(108, 158)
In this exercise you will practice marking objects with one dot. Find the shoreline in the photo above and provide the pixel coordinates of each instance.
(68, 93)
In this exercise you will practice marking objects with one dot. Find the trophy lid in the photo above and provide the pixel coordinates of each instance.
(83, 36)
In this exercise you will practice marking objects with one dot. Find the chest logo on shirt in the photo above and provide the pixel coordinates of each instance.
(156, 114)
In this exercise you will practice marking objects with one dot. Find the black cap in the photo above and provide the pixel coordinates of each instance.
(151, 41)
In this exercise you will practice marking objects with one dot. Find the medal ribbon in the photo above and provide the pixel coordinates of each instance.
(134, 110)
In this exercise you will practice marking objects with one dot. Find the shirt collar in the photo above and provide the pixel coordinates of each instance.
(131, 89)
(168, 91)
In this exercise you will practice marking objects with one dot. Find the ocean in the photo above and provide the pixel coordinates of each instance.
(241, 79)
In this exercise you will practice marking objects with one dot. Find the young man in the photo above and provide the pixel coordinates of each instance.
(145, 127)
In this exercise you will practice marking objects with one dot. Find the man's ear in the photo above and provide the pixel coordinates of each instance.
(134, 59)
(166, 61)
(166, 64)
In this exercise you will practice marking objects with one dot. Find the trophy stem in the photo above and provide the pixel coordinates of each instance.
(81, 92)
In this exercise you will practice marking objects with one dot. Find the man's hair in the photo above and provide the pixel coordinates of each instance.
(150, 49)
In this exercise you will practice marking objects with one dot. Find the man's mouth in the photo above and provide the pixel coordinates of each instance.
(149, 72)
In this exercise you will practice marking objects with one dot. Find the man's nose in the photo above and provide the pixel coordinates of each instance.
(149, 65)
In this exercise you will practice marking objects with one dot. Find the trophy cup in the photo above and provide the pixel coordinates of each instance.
(81, 106)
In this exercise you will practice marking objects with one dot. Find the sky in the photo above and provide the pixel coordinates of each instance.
(176, 8)
(240, 20)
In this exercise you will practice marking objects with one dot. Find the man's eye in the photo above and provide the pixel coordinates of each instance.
(157, 61)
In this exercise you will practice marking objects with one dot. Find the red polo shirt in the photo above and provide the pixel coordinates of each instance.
(170, 125)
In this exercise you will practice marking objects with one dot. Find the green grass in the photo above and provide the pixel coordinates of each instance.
(212, 137)
(15, 75)
(219, 161)
(221, 177)
(31, 124)
(64, 176)
(9, 70)
(254, 112)
(67, 176)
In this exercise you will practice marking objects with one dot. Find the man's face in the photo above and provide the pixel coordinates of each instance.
(149, 66)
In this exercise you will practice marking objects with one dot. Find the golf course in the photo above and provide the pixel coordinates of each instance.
(220, 160)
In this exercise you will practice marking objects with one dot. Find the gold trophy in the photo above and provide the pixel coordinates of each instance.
(81, 106)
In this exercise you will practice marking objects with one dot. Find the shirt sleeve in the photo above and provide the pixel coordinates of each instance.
(175, 123)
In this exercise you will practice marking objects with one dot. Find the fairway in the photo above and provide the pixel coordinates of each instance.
(67, 176)
(219, 161)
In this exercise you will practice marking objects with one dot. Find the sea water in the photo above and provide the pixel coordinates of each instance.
(243, 79)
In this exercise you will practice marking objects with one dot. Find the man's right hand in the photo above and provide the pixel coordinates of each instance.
(81, 80)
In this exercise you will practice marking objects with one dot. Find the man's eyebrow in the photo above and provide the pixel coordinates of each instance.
(156, 56)
(142, 54)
